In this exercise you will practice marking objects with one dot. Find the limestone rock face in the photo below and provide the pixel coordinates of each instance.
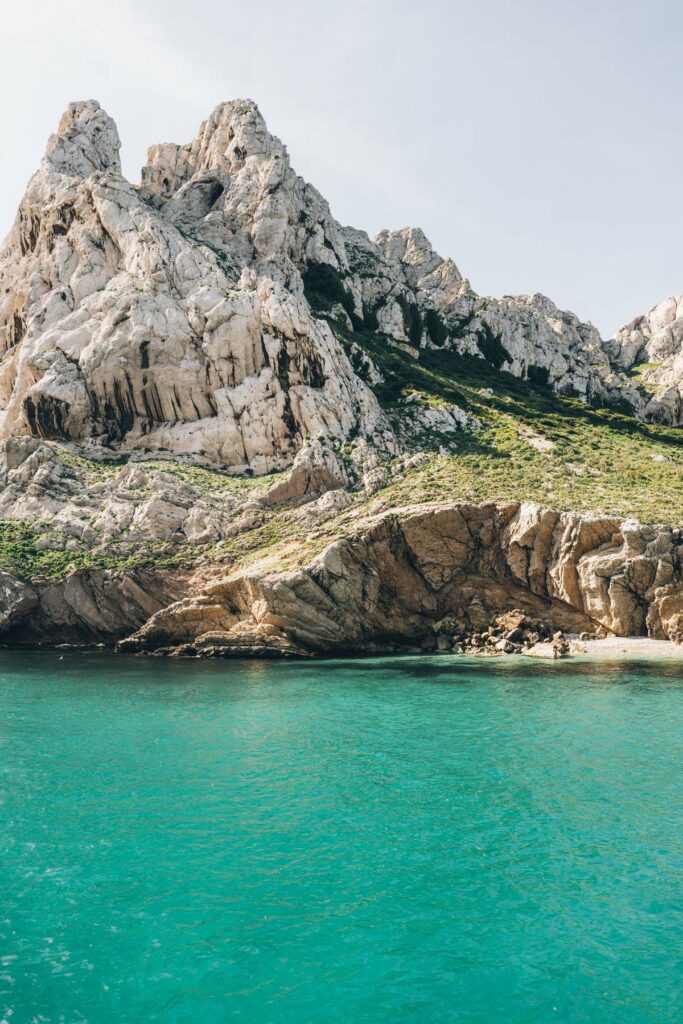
(182, 329)
(190, 315)
(653, 345)
(387, 584)
(315, 471)
(416, 297)
(17, 600)
(619, 572)
(91, 606)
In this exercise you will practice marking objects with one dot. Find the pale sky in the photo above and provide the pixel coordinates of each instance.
(537, 142)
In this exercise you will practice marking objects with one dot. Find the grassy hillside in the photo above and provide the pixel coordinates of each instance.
(528, 444)
(531, 445)
(534, 444)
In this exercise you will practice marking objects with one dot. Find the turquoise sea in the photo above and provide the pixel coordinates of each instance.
(386, 840)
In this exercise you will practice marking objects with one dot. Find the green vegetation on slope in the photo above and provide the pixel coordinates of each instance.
(535, 445)
(22, 555)
(202, 479)
(531, 445)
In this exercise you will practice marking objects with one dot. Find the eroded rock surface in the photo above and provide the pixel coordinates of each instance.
(217, 315)
(116, 512)
(89, 606)
(183, 328)
(387, 585)
(191, 315)
(651, 348)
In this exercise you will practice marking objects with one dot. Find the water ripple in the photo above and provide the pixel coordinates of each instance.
(399, 840)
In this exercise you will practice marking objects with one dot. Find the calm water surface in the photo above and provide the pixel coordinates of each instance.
(416, 840)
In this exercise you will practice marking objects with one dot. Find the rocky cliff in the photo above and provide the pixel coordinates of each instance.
(650, 349)
(419, 576)
(171, 317)
(183, 315)
(207, 368)
(406, 579)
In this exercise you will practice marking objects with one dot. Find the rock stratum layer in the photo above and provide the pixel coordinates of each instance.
(407, 575)
(398, 580)
(216, 315)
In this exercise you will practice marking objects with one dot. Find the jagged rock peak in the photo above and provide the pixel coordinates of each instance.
(173, 322)
(86, 140)
(233, 187)
(654, 337)
(234, 132)
(409, 246)
(650, 349)
(435, 280)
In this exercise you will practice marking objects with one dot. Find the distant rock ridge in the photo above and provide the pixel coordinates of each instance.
(189, 315)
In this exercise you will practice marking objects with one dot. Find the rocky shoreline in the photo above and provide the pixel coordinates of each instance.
(217, 404)
(612, 648)
(513, 632)
(497, 577)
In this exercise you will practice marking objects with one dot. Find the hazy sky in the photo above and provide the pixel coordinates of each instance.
(537, 142)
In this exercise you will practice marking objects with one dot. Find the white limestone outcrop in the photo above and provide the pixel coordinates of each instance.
(651, 348)
(191, 315)
(115, 324)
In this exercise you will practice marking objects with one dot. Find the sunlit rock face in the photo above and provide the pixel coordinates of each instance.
(171, 317)
(398, 574)
(651, 347)
(189, 314)
(217, 313)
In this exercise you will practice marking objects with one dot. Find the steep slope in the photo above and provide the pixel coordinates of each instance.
(206, 383)
(117, 326)
(174, 317)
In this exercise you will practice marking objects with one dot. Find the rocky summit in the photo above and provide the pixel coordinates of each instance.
(231, 425)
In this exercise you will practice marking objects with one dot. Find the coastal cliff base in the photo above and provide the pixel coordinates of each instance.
(419, 577)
